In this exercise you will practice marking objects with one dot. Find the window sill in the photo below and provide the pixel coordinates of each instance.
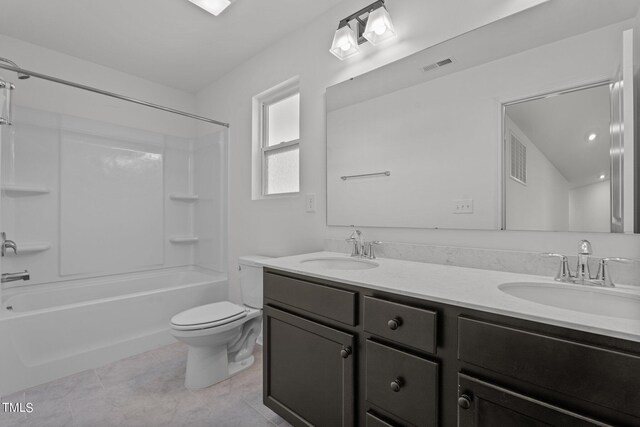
(279, 196)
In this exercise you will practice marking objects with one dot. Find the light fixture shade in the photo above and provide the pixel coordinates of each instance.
(214, 7)
(344, 43)
(379, 26)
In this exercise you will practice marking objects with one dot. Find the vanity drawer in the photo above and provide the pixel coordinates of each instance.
(401, 323)
(402, 384)
(373, 421)
(597, 375)
(332, 303)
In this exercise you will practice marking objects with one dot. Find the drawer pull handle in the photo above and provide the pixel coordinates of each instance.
(396, 385)
(345, 352)
(464, 401)
(394, 323)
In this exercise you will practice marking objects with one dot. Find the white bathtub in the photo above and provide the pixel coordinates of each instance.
(54, 330)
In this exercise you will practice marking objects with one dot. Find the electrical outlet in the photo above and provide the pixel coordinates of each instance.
(310, 202)
(463, 206)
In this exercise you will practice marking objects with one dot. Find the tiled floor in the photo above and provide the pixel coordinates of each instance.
(145, 390)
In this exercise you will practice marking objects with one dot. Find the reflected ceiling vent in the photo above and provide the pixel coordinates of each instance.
(438, 64)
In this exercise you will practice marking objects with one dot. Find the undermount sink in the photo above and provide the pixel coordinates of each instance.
(602, 302)
(336, 263)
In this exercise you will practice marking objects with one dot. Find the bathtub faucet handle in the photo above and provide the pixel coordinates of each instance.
(7, 244)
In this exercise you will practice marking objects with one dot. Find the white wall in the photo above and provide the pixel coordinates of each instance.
(281, 226)
(543, 202)
(590, 207)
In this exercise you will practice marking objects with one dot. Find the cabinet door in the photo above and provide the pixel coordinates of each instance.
(308, 371)
(481, 404)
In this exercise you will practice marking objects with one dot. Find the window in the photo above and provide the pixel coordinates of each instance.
(279, 139)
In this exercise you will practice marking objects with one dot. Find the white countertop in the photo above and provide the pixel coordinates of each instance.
(464, 287)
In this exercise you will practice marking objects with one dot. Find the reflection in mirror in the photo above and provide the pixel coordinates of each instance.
(557, 155)
(421, 139)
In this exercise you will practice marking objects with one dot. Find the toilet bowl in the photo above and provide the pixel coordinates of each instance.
(221, 336)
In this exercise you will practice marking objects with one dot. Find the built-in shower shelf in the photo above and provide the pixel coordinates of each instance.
(14, 190)
(184, 197)
(31, 248)
(184, 239)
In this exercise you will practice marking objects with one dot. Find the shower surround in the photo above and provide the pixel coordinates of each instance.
(115, 224)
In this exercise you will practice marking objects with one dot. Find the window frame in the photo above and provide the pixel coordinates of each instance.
(273, 98)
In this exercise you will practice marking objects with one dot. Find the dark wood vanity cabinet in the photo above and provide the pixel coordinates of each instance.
(309, 370)
(341, 355)
(483, 404)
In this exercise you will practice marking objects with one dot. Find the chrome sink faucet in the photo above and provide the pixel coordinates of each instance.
(582, 269)
(583, 275)
(357, 240)
(360, 247)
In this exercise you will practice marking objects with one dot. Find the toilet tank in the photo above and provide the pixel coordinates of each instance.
(250, 267)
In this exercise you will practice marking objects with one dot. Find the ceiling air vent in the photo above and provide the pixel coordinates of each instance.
(518, 160)
(437, 64)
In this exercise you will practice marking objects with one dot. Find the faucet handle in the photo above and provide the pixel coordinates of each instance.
(369, 252)
(603, 271)
(7, 244)
(584, 247)
(564, 273)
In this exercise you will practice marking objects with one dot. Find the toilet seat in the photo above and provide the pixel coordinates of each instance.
(208, 316)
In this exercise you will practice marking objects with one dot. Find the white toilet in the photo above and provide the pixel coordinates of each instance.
(221, 336)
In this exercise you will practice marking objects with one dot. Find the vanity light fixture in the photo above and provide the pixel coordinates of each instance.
(214, 7)
(344, 43)
(371, 23)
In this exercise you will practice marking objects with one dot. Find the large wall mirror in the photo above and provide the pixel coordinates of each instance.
(524, 124)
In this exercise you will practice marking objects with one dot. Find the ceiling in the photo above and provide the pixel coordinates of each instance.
(559, 126)
(172, 42)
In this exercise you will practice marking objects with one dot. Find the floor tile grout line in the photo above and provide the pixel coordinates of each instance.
(95, 372)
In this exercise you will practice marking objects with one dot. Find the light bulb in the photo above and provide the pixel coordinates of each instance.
(379, 26)
(345, 47)
(592, 136)
(379, 29)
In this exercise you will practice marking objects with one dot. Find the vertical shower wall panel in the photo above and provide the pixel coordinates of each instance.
(178, 167)
(111, 216)
(210, 185)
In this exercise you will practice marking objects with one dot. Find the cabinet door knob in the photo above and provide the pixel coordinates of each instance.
(396, 385)
(464, 401)
(394, 323)
(345, 352)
